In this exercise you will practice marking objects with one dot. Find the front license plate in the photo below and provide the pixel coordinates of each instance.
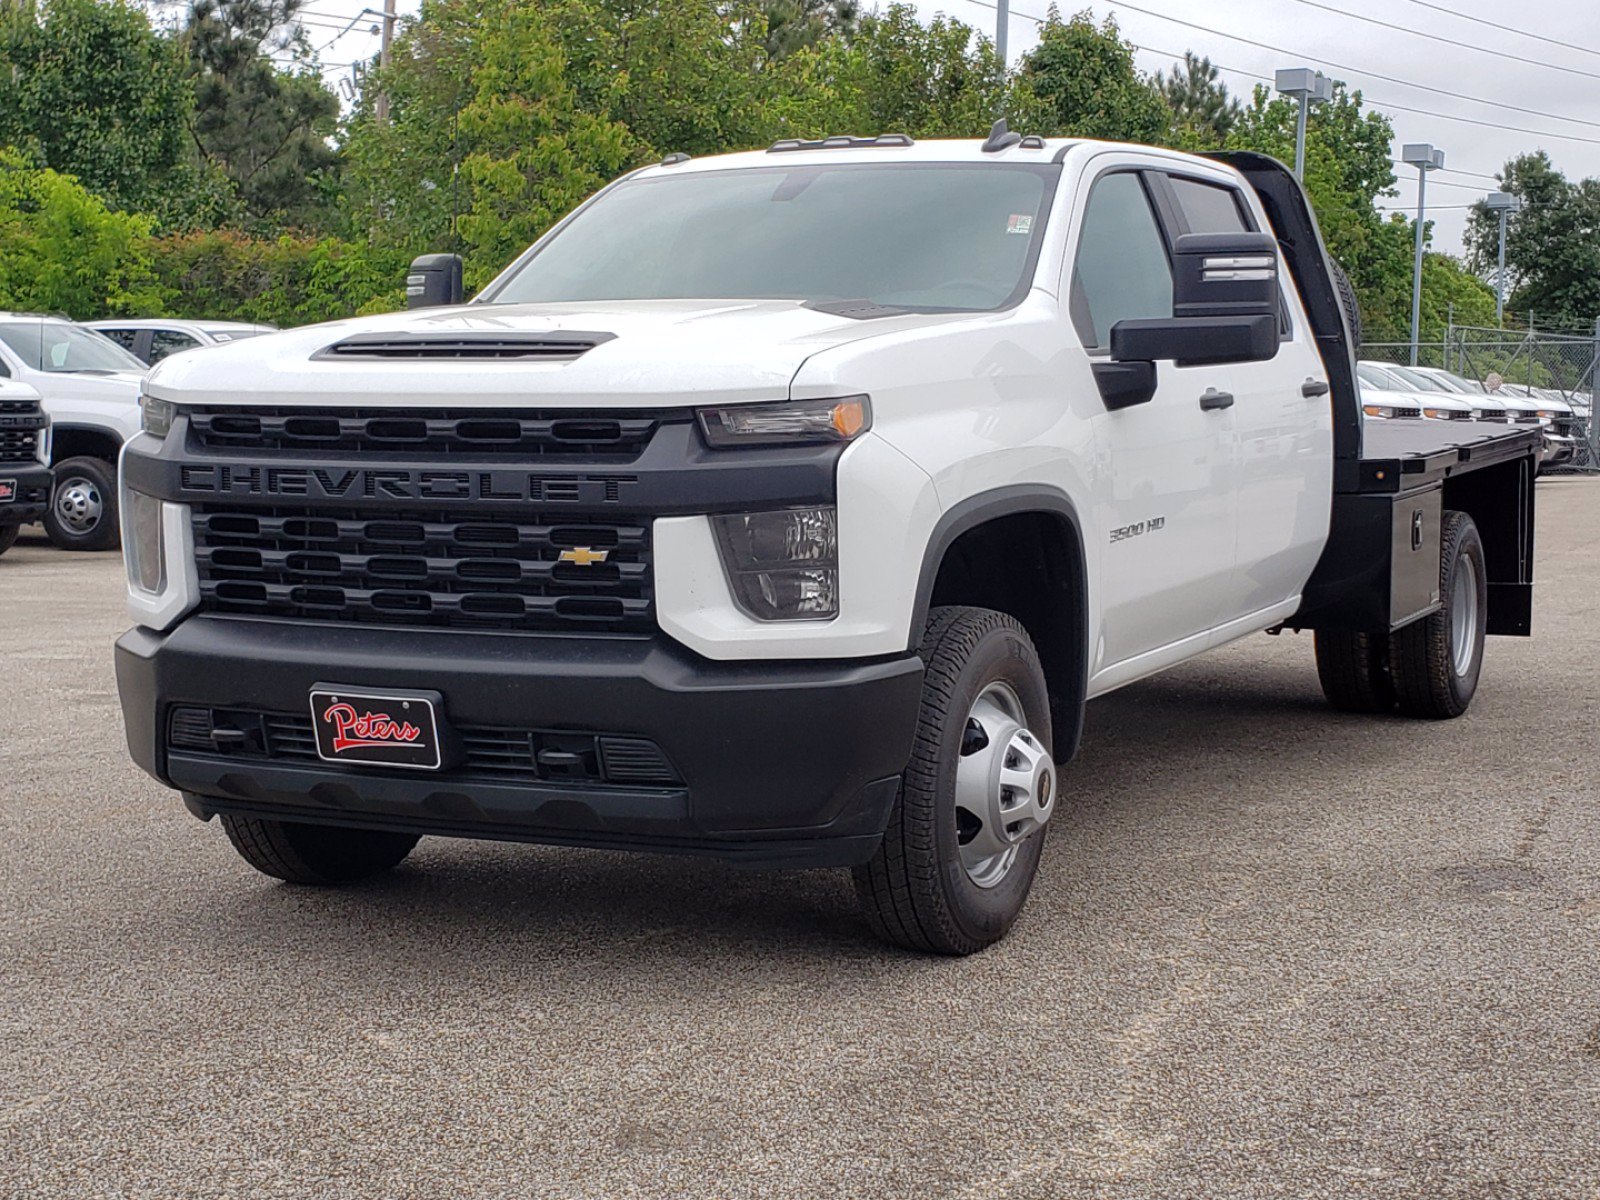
(380, 729)
(8, 490)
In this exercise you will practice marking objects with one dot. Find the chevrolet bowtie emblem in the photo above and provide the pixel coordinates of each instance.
(582, 556)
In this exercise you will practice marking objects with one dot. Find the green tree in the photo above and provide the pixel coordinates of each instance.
(264, 129)
(1552, 244)
(895, 75)
(485, 123)
(92, 91)
(1080, 80)
(795, 24)
(1203, 111)
(66, 251)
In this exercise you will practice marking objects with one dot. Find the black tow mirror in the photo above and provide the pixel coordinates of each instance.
(434, 280)
(1224, 305)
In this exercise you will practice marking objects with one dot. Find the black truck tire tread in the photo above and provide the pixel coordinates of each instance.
(296, 852)
(1353, 667)
(1420, 659)
(899, 888)
(1347, 301)
(8, 536)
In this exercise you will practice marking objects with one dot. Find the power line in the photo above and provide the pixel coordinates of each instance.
(1538, 37)
(1423, 87)
(1438, 37)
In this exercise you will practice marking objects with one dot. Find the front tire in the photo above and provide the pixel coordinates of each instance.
(8, 536)
(297, 852)
(967, 828)
(83, 506)
(1435, 662)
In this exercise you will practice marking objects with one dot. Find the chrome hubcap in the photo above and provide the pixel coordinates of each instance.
(1005, 785)
(1464, 615)
(78, 504)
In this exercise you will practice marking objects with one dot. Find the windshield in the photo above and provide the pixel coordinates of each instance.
(1376, 378)
(921, 236)
(58, 346)
(1423, 383)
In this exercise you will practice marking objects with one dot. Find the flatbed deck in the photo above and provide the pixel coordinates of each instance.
(1399, 455)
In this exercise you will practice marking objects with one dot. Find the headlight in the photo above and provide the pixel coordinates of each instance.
(1376, 410)
(1439, 414)
(142, 542)
(789, 423)
(1546, 414)
(156, 416)
(783, 566)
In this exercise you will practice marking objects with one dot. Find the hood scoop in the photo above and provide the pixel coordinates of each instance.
(468, 345)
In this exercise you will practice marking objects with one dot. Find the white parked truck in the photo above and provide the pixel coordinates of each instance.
(24, 459)
(789, 507)
(90, 388)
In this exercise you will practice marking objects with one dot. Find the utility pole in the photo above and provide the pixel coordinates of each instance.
(1503, 203)
(1002, 22)
(1307, 87)
(380, 107)
(1425, 158)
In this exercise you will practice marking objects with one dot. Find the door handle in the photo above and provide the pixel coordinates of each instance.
(1312, 388)
(1212, 399)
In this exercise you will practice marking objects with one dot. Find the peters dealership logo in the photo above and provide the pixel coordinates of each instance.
(359, 483)
(354, 730)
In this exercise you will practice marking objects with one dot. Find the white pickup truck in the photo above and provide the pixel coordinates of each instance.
(789, 507)
(90, 388)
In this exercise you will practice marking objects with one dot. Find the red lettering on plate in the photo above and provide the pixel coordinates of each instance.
(353, 730)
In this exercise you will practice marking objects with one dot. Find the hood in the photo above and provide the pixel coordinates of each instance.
(74, 385)
(645, 354)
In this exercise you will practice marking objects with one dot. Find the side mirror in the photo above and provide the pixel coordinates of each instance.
(434, 280)
(1224, 305)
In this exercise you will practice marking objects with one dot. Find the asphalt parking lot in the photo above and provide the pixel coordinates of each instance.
(1273, 952)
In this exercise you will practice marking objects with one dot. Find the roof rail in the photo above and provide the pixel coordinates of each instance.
(674, 159)
(840, 142)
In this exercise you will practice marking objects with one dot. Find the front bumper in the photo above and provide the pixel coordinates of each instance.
(29, 491)
(781, 764)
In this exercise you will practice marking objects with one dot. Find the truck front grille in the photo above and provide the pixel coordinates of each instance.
(21, 422)
(396, 435)
(538, 571)
(486, 752)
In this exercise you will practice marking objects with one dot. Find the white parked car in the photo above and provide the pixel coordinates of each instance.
(1553, 415)
(152, 339)
(90, 387)
(1382, 397)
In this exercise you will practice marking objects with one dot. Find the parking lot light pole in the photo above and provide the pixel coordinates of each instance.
(1308, 87)
(1503, 203)
(1424, 158)
(1002, 18)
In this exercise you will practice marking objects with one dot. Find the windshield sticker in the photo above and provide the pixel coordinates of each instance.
(1020, 223)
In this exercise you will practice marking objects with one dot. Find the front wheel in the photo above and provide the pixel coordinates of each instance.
(297, 852)
(1435, 662)
(968, 825)
(8, 536)
(83, 506)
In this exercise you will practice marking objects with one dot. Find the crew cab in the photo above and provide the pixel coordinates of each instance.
(789, 507)
(24, 459)
(90, 389)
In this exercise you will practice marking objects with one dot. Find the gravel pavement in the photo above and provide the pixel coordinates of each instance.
(1273, 952)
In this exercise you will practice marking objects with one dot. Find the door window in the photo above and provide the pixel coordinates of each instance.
(169, 341)
(122, 337)
(1207, 207)
(1121, 271)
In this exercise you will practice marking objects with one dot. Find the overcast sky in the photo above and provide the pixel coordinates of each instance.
(1562, 77)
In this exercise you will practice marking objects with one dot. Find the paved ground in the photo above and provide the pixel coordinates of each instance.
(1274, 952)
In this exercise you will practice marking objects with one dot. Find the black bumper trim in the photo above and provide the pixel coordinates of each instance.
(34, 484)
(791, 763)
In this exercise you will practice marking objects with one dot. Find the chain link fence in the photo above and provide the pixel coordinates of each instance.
(1540, 363)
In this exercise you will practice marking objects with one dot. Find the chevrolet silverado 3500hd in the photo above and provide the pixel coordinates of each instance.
(24, 459)
(788, 507)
